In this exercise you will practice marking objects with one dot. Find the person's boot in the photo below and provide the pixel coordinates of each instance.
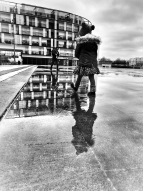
(91, 94)
(92, 91)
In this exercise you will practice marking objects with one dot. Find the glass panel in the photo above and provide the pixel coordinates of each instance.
(4, 27)
(31, 21)
(51, 24)
(65, 16)
(61, 44)
(7, 6)
(8, 38)
(35, 41)
(20, 19)
(25, 40)
(61, 35)
(61, 26)
(26, 30)
(69, 36)
(41, 23)
(5, 18)
(37, 32)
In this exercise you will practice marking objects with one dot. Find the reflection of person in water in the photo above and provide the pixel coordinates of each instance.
(82, 130)
(55, 54)
(54, 80)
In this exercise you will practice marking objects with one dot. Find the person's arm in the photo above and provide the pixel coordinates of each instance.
(77, 51)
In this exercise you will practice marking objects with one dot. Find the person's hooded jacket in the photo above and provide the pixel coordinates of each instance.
(87, 45)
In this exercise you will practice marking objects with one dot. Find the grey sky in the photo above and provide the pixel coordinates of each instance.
(119, 23)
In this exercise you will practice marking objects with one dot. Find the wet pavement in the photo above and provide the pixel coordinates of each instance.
(53, 140)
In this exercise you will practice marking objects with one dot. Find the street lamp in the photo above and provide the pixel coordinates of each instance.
(13, 21)
(13, 39)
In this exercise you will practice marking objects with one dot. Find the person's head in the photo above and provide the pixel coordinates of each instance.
(86, 28)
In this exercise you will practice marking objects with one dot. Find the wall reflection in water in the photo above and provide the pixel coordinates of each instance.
(44, 96)
(83, 128)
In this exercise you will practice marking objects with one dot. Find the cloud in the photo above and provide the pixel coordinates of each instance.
(119, 23)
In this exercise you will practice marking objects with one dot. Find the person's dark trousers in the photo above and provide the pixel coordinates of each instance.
(92, 83)
(55, 61)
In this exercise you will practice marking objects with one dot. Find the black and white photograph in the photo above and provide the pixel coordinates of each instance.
(71, 95)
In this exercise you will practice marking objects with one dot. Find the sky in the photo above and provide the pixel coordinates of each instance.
(119, 23)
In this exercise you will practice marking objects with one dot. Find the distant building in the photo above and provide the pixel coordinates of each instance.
(136, 62)
(106, 63)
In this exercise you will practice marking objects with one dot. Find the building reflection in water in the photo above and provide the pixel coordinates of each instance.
(40, 96)
(82, 130)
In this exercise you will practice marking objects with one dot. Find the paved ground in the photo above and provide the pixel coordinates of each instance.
(97, 144)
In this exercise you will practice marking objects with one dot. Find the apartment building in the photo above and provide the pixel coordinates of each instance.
(31, 32)
(136, 62)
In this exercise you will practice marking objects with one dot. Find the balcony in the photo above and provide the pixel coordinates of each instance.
(26, 52)
(51, 16)
(42, 25)
(69, 37)
(62, 45)
(68, 19)
(48, 44)
(12, 10)
(25, 42)
(6, 20)
(44, 44)
(61, 18)
(40, 14)
(66, 54)
(76, 21)
(41, 52)
(61, 27)
(26, 12)
(61, 37)
(38, 33)
(10, 41)
(71, 47)
(26, 32)
(35, 43)
(35, 52)
(69, 29)
(32, 24)
(75, 29)
(5, 30)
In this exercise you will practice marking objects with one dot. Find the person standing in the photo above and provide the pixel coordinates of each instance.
(55, 54)
(86, 52)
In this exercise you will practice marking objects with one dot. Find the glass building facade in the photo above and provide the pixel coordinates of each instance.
(30, 32)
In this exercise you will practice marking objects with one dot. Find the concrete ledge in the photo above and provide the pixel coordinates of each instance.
(10, 88)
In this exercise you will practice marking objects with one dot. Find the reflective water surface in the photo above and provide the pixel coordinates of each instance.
(52, 139)
(47, 92)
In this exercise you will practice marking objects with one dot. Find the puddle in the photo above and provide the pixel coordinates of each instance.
(47, 93)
